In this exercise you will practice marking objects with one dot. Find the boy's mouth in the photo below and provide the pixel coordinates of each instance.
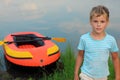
(98, 28)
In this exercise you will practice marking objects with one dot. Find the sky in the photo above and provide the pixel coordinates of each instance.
(66, 18)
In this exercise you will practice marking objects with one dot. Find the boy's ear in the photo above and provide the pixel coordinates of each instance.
(108, 22)
(90, 22)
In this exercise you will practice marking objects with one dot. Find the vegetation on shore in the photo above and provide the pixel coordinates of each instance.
(68, 59)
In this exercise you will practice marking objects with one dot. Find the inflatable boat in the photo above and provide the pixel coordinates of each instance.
(30, 49)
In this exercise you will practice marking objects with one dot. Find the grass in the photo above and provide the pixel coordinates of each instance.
(68, 58)
(111, 68)
(67, 73)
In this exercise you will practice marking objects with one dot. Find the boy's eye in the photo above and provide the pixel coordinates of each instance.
(102, 21)
(95, 21)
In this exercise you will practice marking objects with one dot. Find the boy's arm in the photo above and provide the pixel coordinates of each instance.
(116, 63)
(79, 60)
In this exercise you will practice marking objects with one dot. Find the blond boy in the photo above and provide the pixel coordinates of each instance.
(95, 47)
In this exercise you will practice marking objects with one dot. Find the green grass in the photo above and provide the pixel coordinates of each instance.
(111, 68)
(67, 73)
(68, 58)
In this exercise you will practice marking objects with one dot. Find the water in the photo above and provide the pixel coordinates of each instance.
(2, 60)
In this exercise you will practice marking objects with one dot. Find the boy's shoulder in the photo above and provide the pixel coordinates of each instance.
(110, 36)
(85, 35)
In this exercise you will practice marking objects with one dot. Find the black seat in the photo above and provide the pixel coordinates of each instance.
(28, 39)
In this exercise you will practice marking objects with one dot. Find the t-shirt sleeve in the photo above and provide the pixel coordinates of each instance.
(114, 46)
(81, 45)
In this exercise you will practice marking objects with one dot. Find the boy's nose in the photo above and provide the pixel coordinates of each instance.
(98, 24)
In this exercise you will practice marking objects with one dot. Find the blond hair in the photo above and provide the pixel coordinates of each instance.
(98, 11)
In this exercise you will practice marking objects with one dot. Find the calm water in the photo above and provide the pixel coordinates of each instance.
(71, 39)
(2, 62)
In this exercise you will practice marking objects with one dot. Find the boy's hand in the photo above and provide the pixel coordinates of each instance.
(76, 77)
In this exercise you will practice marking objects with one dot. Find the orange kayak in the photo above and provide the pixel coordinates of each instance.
(30, 49)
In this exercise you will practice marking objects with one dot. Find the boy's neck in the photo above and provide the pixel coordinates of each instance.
(97, 36)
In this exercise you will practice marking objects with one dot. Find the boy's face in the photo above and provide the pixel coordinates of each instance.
(99, 23)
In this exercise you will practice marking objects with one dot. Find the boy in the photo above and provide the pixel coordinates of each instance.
(95, 47)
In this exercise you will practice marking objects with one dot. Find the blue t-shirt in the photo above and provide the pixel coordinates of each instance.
(96, 54)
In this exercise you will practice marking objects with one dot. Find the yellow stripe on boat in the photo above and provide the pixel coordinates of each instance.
(52, 50)
(17, 54)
